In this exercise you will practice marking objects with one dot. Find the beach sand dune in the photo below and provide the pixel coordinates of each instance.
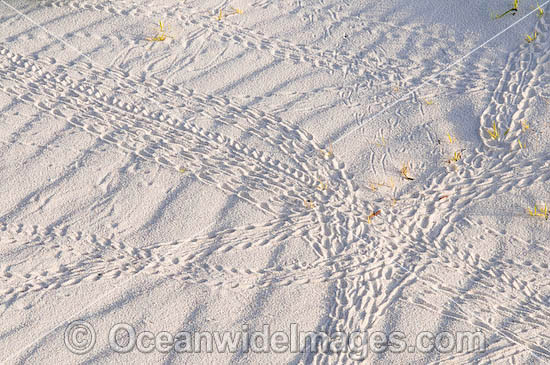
(272, 182)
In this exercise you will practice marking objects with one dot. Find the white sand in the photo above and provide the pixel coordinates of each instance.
(100, 223)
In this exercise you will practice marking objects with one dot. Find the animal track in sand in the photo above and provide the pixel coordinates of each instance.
(400, 257)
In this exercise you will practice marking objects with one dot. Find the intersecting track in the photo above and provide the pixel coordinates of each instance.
(385, 72)
(371, 266)
(480, 174)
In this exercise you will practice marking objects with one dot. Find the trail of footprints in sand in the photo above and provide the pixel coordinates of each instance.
(380, 70)
(524, 79)
(251, 39)
(492, 172)
(484, 165)
(371, 266)
(213, 158)
(355, 293)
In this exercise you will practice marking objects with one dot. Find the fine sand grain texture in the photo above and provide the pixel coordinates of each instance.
(375, 173)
